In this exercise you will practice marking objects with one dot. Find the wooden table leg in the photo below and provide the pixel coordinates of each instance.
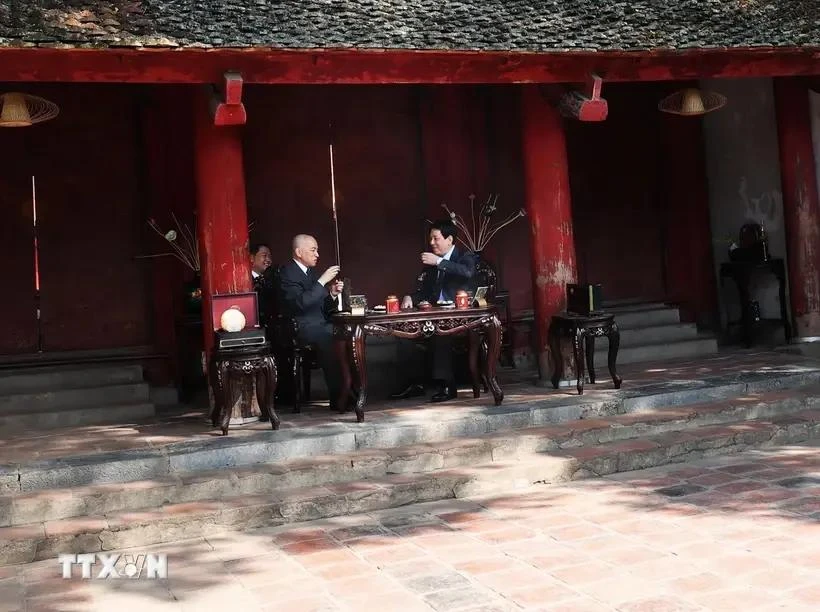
(358, 350)
(226, 386)
(589, 349)
(493, 354)
(614, 335)
(474, 342)
(554, 340)
(578, 352)
(784, 306)
(742, 281)
(341, 344)
(266, 389)
(216, 389)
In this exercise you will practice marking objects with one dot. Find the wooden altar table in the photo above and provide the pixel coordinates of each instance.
(350, 332)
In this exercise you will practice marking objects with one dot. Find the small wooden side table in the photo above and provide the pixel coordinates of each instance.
(582, 330)
(226, 364)
(741, 272)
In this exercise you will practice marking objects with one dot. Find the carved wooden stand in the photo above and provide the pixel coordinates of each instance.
(582, 330)
(350, 333)
(257, 361)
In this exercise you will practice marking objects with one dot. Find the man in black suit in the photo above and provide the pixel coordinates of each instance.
(447, 269)
(262, 278)
(311, 299)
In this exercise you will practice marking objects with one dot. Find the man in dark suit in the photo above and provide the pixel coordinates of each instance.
(447, 269)
(311, 299)
(262, 278)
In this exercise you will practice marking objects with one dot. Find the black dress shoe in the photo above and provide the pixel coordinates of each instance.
(413, 390)
(446, 393)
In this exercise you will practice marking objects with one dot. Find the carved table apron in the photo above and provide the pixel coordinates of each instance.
(350, 332)
(582, 330)
(247, 361)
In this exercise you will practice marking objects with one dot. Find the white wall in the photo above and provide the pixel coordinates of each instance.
(743, 170)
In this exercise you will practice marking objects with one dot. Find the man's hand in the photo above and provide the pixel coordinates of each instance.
(407, 302)
(329, 275)
(428, 259)
(336, 287)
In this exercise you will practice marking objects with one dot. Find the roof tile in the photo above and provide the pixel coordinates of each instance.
(506, 25)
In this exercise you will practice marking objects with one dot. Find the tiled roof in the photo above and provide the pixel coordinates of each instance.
(489, 25)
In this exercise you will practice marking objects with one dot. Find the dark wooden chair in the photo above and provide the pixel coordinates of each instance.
(294, 359)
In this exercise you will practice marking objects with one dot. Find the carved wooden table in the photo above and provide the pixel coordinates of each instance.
(226, 364)
(350, 332)
(741, 272)
(582, 330)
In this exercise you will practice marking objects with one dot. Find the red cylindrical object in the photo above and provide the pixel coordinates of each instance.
(801, 208)
(462, 299)
(547, 193)
(222, 214)
(392, 304)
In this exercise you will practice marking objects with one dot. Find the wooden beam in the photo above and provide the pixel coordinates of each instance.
(376, 67)
(586, 105)
(226, 103)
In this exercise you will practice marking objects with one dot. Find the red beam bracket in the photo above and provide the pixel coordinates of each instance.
(226, 101)
(586, 105)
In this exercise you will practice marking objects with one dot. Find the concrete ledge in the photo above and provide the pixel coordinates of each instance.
(431, 425)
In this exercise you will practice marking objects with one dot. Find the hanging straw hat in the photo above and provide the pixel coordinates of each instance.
(23, 110)
(691, 102)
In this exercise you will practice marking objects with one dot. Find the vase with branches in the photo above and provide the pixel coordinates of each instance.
(482, 229)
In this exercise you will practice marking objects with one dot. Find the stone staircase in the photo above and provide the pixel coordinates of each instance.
(47, 397)
(653, 332)
(133, 498)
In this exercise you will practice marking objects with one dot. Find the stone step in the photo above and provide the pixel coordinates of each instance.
(64, 399)
(655, 334)
(432, 425)
(42, 379)
(73, 417)
(18, 507)
(178, 521)
(645, 316)
(657, 352)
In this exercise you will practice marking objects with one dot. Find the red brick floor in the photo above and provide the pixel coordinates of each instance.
(744, 535)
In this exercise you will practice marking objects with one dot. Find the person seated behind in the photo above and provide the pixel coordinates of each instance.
(311, 299)
(447, 269)
(261, 273)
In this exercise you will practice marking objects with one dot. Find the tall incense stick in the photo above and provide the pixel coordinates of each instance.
(333, 198)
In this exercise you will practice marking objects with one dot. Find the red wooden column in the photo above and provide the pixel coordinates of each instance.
(547, 195)
(690, 271)
(801, 209)
(222, 215)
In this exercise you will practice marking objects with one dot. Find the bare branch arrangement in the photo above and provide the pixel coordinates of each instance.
(182, 240)
(477, 237)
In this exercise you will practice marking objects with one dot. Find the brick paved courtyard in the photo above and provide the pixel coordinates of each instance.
(731, 533)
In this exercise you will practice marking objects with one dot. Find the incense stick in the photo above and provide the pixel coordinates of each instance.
(333, 199)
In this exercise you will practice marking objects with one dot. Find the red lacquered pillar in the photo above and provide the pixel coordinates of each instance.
(801, 209)
(548, 204)
(222, 214)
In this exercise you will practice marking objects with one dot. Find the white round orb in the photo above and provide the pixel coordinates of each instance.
(232, 320)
